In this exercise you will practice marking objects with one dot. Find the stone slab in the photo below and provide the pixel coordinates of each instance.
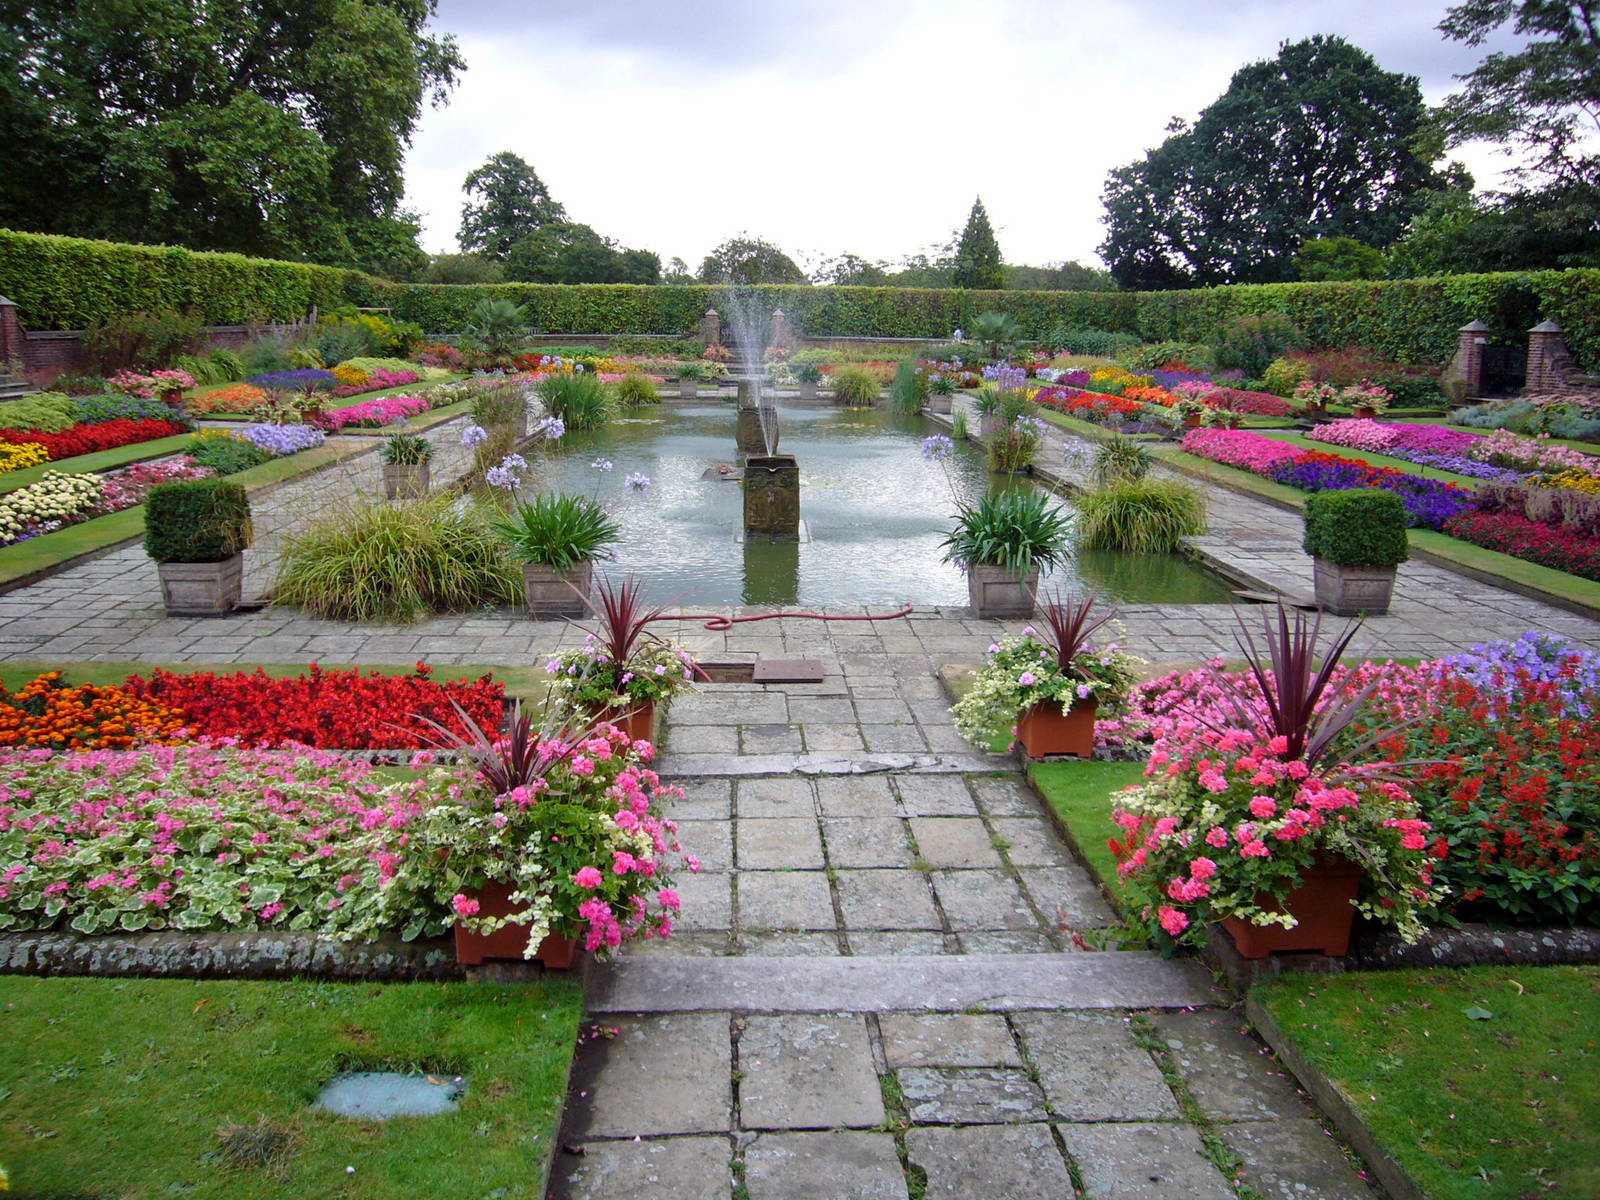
(1231, 1075)
(866, 842)
(987, 1162)
(681, 1168)
(910, 942)
(627, 1087)
(806, 1166)
(857, 796)
(778, 843)
(1091, 1067)
(900, 983)
(1067, 897)
(787, 670)
(947, 1040)
(1293, 1160)
(975, 900)
(886, 899)
(806, 1071)
(709, 841)
(707, 900)
(954, 842)
(785, 900)
(1032, 842)
(936, 797)
(1143, 1162)
(760, 764)
(776, 798)
(970, 1095)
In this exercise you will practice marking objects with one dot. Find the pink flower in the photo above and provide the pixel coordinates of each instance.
(622, 862)
(1263, 807)
(1213, 781)
(465, 906)
(669, 899)
(1173, 921)
(1203, 868)
(588, 877)
(1254, 850)
(1217, 836)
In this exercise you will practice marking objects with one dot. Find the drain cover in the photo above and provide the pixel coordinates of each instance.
(787, 670)
(379, 1095)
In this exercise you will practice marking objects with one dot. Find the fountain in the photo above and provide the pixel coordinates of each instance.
(771, 480)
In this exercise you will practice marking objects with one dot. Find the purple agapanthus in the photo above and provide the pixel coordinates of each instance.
(281, 440)
(1469, 467)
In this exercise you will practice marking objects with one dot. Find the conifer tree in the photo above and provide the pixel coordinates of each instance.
(977, 263)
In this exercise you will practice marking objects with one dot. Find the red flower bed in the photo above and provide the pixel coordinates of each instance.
(331, 710)
(91, 439)
(1260, 404)
(1547, 545)
(1087, 406)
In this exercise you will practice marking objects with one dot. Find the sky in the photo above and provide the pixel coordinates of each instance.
(843, 126)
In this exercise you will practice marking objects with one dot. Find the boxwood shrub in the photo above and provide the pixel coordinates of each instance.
(202, 520)
(1359, 527)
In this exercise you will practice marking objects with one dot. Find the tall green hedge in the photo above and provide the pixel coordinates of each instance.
(67, 283)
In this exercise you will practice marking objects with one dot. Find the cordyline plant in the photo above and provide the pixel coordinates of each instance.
(622, 665)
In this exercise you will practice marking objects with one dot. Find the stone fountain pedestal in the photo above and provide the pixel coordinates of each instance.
(772, 497)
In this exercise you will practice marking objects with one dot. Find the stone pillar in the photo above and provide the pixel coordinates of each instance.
(779, 332)
(710, 328)
(1548, 359)
(10, 333)
(747, 432)
(772, 498)
(1470, 342)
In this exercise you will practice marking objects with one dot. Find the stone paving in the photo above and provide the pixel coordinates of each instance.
(892, 977)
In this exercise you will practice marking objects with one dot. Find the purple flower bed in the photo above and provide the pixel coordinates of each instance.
(1171, 379)
(1469, 467)
(282, 440)
(295, 381)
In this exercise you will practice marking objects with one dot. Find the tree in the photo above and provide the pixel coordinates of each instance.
(1330, 259)
(1319, 142)
(1545, 98)
(463, 268)
(260, 127)
(977, 262)
(1058, 277)
(747, 260)
(1458, 233)
(567, 252)
(506, 201)
(677, 272)
(850, 270)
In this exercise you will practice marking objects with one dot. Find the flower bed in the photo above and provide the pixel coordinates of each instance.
(60, 499)
(357, 382)
(238, 398)
(279, 441)
(1532, 541)
(90, 439)
(151, 386)
(389, 410)
(18, 456)
(308, 378)
(1253, 452)
(47, 714)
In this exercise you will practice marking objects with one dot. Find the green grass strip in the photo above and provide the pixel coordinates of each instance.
(129, 1087)
(103, 460)
(1496, 1108)
(1081, 795)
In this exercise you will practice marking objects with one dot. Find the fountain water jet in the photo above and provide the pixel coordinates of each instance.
(771, 480)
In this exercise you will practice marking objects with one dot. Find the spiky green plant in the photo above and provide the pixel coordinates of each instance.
(1142, 516)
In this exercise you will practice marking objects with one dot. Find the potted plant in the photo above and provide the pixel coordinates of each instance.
(1315, 396)
(1190, 411)
(1366, 400)
(808, 376)
(689, 376)
(1048, 687)
(552, 838)
(1356, 538)
(1002, 542)
(558, 537)
(405, 458)
(621, 673)
(941, 394)
(196, 531)
(1254, 817)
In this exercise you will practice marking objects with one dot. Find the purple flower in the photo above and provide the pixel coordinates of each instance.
(296, 381)
(637, 483)
(474, 435)
(936, 447)
(553, 428)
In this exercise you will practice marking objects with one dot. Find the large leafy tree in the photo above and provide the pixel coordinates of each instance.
(977, 262)
(506, 202)
(564, 252)
(748, 260)
(257, 126)
(1318, 142)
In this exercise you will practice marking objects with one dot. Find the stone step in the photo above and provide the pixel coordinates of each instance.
(900, 983)
(705, 766)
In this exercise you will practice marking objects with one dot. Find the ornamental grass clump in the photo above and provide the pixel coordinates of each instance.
(1120, 459)
(579, 399)
(387, 562)
(855, 387)
(1014, 446)
(1018, 530)
(1058, 664)
(635, 389)
(558, 530)
(1140, 516)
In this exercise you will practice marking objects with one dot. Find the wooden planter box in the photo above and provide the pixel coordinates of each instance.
(1045, 729)
(1323, 907)
(999, 592)
(1353, 591)
(202, 589)
(553, 593)
(940, 405)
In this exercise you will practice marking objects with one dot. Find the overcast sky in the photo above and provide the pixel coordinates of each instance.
(861, 126)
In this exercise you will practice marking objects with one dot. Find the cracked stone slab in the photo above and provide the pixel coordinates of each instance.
(1231, 1075)
(805, 1166)
(980, 1162)
(1091, 1067)
(1293, 1160)
(970, 1095)
(902, 983)
(1143, 1162)
(806, 1071)
(680, 1168)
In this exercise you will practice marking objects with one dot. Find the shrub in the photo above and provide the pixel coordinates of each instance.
(1193, 355)
(387, 562)
(579, 399)
(197, 521)
(1143, 516)
(226, 454)
(143, 340)
(1093, 343)
(349, 376)
(855, 387)
(1251, 343)
(1285, 374)
(634, 389)
(558, 531)
(46, 412)
(1362, 528)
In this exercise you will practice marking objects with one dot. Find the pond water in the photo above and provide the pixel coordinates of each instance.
(873, 513)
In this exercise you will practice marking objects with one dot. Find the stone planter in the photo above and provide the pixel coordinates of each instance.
(808, 389)
(1045, 729)
(553, 593)
(201, 589)
(688, 389)
(940, 405)
(1348, 591)
(509, 941)
(997, 592)
(405, 481)
(1323, 907)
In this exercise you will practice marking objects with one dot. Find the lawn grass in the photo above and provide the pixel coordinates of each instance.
(1501, 1108)
(1080, 793)
(103, 460)
(120, 1087)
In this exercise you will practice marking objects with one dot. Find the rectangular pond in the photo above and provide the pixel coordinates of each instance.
(873, 513)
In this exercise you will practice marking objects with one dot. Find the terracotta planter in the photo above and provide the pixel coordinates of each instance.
(1363, 412)
(405, 481)
(638, 722)
(1324, 907)
(1314, 410)
(1045, 729)
(173, 396)
(1351, 591)
(1192, 421)
(553, 593)
(509, 941)
(201, 589)
(996, 591)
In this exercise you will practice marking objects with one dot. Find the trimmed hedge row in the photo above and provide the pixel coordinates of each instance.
(67, 283)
